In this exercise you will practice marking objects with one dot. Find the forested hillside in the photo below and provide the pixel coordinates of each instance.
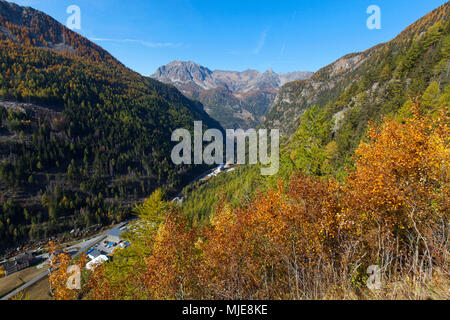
(81, 136)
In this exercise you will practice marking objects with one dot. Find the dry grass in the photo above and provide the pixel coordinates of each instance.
(11, 282)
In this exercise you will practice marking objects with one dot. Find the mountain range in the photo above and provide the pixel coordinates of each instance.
(235, 99)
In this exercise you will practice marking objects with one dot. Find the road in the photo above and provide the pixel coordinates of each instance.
(73, 251)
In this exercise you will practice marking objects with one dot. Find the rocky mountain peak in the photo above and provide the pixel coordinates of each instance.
(236, 99)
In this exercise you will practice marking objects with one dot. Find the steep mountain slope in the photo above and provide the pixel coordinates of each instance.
(81, 136)
(236, 99)
(363, 86)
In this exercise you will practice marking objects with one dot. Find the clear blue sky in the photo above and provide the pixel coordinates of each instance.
(283, 35)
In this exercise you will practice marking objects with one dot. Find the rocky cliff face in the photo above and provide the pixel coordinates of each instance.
(236, 99)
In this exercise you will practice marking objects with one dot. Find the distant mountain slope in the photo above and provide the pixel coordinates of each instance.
(236, 99)
(82, 138)
(363, 86)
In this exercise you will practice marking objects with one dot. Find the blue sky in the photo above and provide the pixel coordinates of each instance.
(283, 35)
